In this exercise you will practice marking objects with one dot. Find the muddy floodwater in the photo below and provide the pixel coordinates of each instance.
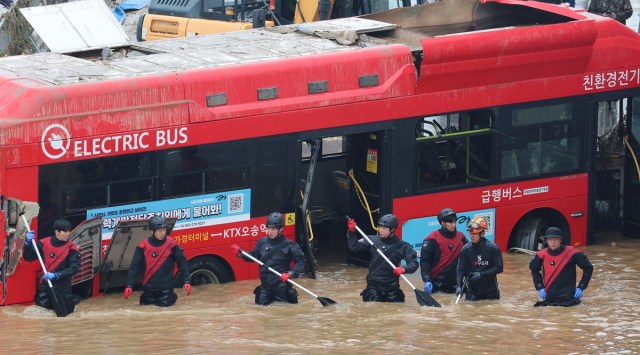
(222, 318)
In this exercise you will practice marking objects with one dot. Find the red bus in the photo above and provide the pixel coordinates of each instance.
(489, 108)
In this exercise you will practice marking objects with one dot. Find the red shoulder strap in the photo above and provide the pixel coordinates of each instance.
(53, 256)
(155, 261)
(447, 256)
(553, 264)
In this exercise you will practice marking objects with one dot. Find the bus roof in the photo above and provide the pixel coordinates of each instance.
(405, 26)
(199, 52)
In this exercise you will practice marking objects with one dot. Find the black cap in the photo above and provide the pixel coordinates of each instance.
(552, 232)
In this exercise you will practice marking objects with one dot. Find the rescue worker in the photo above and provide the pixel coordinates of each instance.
(155, 259)
(277, 252)
(557, 283)
(478, 265)
(439, 254)
(383, 281)
(619, 10)
(61, 259)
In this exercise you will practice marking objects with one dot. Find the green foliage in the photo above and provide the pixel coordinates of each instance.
(18, 29)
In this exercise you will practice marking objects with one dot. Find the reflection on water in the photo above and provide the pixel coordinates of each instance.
(223, 318)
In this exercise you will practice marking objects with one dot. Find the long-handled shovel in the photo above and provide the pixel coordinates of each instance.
(424, 299)
(59, 307)
(324, 300)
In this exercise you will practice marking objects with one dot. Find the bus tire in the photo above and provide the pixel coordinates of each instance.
(529, 232)
(208, 270)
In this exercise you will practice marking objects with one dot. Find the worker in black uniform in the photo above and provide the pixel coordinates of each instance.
(383, 281)
(439, 254)
(155, 259)
(61, 259)
(557, 283)
(277, 252)
(479, 264)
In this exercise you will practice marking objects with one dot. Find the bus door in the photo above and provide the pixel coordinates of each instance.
(368, 197)
(631, 209)
(339, 175)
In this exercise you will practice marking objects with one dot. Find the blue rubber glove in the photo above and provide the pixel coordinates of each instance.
(428, 286)
(29, 240)
(475, 277)
(578, 293)
(51, 276)
(543, 293)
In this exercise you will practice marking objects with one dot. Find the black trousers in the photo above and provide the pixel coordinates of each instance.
(374, 293)
(161, 298)
(70, 300)
(283, 292)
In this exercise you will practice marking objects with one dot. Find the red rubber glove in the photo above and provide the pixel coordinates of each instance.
(236, 248)
(127, 292)
(351, 225)
(187, 289)
(398, 271)
(285, 276)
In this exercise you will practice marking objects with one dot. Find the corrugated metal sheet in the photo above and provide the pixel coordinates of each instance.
(76, 26)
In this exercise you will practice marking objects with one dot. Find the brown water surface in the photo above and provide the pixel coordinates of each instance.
(223, 318)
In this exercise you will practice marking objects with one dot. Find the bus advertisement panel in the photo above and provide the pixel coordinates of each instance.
(190, 212)
(415, 230)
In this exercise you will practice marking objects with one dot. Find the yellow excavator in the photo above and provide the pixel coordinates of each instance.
(183, 18)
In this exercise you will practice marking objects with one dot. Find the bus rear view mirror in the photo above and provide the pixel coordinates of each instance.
(13, 212)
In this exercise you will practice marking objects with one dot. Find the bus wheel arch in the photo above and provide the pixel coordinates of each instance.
(209, 269)
(527, 231)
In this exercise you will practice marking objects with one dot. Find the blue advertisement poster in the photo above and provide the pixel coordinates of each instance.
(190, 212)
(415, 230)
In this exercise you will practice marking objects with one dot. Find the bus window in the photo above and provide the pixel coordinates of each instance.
(454, 149)
(131, 191)
(541, 140)
(203, 169)
(334, 145)
(272, 183)
(635, 119)
(104, 182)
(330, 146)
(85, 197)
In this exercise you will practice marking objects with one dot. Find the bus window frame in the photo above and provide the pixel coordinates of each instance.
(579, 113)
(446, 136)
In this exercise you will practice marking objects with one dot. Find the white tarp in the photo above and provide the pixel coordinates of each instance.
(76, 26)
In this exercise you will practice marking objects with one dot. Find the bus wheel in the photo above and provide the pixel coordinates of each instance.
(529, 231)
(208, 270)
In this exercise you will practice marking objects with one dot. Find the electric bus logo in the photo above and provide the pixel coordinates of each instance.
(55, 141)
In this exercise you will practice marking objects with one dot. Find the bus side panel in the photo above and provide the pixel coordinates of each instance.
(21, 285)
(245, 234)
(566, 194)
(499, 59)
(242, 270)
(373, 74)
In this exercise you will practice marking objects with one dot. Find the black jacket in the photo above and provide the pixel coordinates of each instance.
(277, 253)
(486, 258)
(163, 278)
(430, 257)
(65, 270)
(396, 250)
(564, 286)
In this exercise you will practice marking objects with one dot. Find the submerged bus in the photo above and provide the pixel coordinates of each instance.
(489, 108)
